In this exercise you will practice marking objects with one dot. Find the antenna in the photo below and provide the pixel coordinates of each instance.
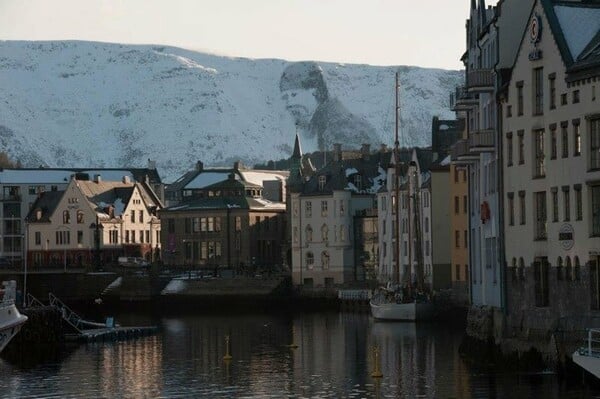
(397, 188)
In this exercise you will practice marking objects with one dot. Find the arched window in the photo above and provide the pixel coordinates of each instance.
(569, 268)
(309, 233)
(79, 217)
(577, 271)
(325, 259)
(324, 233)
(66, 217)
(310, 260)
(521, 269)
(559, 268)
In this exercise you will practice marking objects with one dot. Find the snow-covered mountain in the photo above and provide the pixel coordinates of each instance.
(80, 104)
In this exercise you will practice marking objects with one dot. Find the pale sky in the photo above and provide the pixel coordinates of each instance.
(378, 32)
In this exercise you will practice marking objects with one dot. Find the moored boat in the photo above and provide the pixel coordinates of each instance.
(11, 320)
(588, 357)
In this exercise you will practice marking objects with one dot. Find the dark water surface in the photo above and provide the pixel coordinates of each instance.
(334, 359)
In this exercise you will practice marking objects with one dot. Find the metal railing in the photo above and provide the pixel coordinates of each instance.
(482, 138)
(592, 347)
(459, 96)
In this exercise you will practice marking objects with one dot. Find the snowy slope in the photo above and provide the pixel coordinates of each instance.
(69, 103)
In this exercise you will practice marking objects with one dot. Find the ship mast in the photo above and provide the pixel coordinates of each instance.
(396, 205)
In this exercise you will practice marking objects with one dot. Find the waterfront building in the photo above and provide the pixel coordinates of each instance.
(228, 224)
(492, 34)
(323, 207)
(192, 184)
(93, 221)
(20, 188)
(551, 140)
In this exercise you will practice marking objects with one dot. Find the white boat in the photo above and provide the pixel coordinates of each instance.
(386, 309)
(588, 357)
(11, 320)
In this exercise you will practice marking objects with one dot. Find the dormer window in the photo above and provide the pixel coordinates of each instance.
(66, 217)
(322, 180)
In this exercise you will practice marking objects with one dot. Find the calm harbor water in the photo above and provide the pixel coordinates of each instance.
(334, 359)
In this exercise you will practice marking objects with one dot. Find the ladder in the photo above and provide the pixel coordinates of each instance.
(68, 315)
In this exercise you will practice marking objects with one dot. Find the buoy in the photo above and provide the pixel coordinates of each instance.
(227, 356)
(376, 373)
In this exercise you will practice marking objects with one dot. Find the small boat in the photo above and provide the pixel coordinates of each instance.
(588, 357)
(11, 320)
(386, 305)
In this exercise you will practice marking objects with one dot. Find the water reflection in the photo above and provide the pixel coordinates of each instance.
(334, 359)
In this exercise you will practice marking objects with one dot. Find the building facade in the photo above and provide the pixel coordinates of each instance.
(551, 138)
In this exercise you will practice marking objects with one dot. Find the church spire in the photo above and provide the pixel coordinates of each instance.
(297, 149)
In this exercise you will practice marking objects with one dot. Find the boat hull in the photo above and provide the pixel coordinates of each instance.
(11, 322)
(588, 363)
(402, 311)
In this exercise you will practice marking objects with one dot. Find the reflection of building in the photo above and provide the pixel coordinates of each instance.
(20, 188)
(227, 223)
(366, 245)
(322, 215)
(105, 217)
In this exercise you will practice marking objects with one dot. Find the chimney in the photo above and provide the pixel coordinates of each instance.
(365, 151)
(97, 179)
(337, 152)
(126, 180)
(199, 166)
(151, 164)
(238, 165)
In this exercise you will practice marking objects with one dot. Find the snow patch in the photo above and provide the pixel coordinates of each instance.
(351, 171)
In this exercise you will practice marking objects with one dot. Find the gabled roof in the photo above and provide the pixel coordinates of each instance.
(46, 203)
(117, 194)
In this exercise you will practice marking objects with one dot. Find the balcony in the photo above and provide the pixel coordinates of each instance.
(480, 80)
(481, 140)
(460, 152)
(461, 99)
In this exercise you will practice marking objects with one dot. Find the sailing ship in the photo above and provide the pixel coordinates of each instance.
(11, 320)
(406, 300)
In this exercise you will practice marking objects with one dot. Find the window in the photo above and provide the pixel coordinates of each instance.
(575, 96)
(455, 174)
(217, 223)
(521, 133)
(538, 91)
(569, 268)
(553, 142)
(540, 215)
(295, 234)
(323, 208)
(576, 138)
(540, 167)
(322, 180)
(342, 233)
(555, 204)
(578, 202)
(509, 149)
(358, 182)
(79, 217)
(324, 233)
(79, 237)
(38, 238)
(457, 272)
(559, 269)
(309, 233)
(295, 208)
(566, 203)
(552, 84)
(522, 216)
(132, 216)
(310, 260)
(127, 236)
(383, 204)
(133, 236)
(203, 224)
(595, 192)
(456, 205)
(457, 239)
(66, 217)
(563, 99)
(113, 237)
(427, 248)
(508, 111)
(238, 223)
(540, 275)
(308, 208)
(211, 223)
(426, 225)
(465, 204)
(325, 260)
(511, 209)
(142, 236)
(342, 208)
(565, 139)
(520, 98)
(465, 239)
(595, 143)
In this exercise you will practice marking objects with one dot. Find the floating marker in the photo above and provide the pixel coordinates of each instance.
(376, 373)
(227, 356)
